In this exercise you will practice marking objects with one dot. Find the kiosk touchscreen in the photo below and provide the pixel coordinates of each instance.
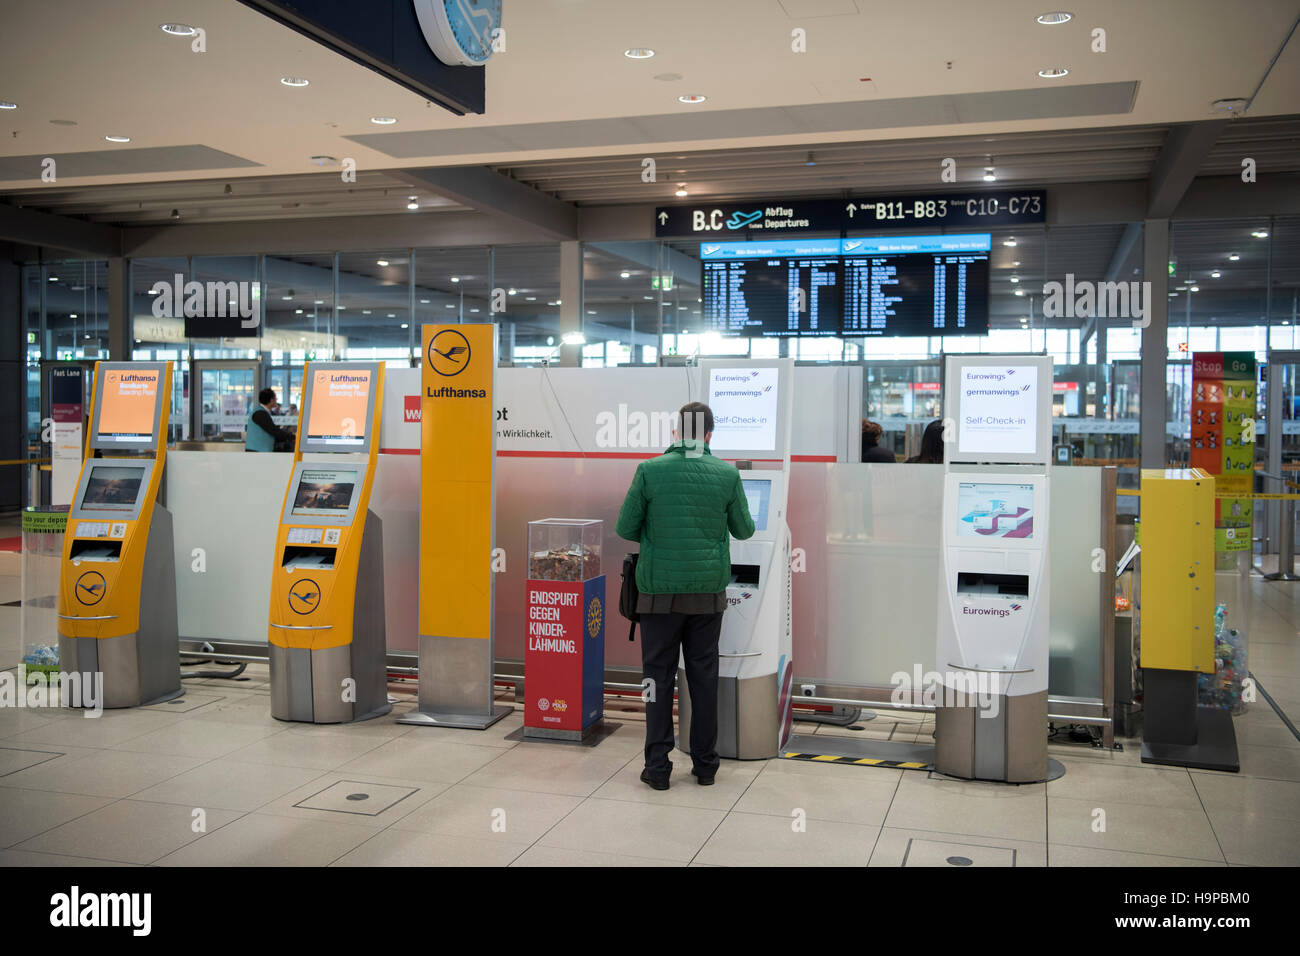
(327, 630)
(117, 590)
(751, 404)
(992, 644)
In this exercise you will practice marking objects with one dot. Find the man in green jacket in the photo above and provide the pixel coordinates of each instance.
(680, 508)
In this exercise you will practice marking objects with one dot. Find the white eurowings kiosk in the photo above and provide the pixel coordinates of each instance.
(993, 616)
(751, 400)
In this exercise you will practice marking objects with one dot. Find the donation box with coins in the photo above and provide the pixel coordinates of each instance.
(564, 657)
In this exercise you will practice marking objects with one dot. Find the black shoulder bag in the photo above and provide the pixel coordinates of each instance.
(628, 594)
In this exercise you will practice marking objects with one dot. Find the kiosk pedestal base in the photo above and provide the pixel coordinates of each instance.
(1178, 733)
(455, 685)
(1009, 747)
(117, 660)
(460, 721)
(308, 686)
(749, 723)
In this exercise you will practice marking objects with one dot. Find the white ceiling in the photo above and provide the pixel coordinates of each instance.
(110, 69)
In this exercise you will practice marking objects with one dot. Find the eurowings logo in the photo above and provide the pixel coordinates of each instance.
(991, 611)
(739, 220)
(1024, 388)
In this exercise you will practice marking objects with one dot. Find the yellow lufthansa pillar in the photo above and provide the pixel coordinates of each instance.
(1177, 622)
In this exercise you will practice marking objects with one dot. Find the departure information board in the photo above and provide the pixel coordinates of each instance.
(913, 285)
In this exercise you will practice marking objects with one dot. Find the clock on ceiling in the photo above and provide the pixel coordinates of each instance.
(459, 32)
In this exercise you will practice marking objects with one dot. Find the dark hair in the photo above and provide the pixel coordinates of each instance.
(931, 445)
(694, 420)
(265, 395)
(871, 432)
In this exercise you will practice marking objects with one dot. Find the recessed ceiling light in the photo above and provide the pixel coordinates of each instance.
(512, 292)
(1015, 278)
(1233, 257)
(287, 298)
(1020, 292)
(681, 191)
(412, 205)
(1010, 241)
(473, 310)
(297, 311)
(381, 262)
(625, 275)
(72, 315)
(1016, 263)
(639, 53)
(294, 81)
(54, 278)
(648, 297)
(1054, 73)
(118, 139)
(406, 325)
(365, 311)
(383, 120)
(455, 278)
(319, 302)
(988, 176)
(1260, 233)
(178, 29)
(691, 99)
(591, 311)
(424, 302)
(1055, 18)
(6, 105)
(1215, 274)
(449, 306)
(1195, 288)
(532, 298)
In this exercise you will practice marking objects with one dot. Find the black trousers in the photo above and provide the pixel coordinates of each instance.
(696, 637)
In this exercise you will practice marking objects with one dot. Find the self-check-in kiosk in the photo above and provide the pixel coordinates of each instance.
(991, 723)
(326, 634)
(117, 587)
(751, 402)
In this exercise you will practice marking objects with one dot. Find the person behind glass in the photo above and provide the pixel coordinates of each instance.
(931, 445)
(681, 507)
(260, 432)
(871, 450)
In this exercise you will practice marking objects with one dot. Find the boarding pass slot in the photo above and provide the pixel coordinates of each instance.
(95, 550)
(320, 559)
(745, 575)
(989, 584)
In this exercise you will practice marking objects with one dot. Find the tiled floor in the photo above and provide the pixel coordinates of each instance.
(213, 779)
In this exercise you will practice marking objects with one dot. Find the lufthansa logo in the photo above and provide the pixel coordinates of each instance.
(304, 596)
(449, 353)
(91, 587)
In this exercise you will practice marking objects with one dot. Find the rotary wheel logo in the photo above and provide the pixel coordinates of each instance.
(594, 615)
(304, 596)
(543, 704)
(449, 353)
(91, 587)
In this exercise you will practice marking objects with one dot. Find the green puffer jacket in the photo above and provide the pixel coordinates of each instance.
(680, 507)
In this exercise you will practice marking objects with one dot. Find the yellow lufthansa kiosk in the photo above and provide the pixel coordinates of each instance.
(1177, 603)
(326, 634)
(117, 586)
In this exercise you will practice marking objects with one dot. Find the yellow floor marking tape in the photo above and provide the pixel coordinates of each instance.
(858, 761)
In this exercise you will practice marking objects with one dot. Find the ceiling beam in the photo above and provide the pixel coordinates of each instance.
(37, 228)
(1185, 150)
(493, 194)
(1128, 241)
